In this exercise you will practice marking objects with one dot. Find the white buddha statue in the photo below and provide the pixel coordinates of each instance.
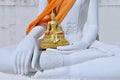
(81, 30)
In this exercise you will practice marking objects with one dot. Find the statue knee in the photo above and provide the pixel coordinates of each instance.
(50, 60)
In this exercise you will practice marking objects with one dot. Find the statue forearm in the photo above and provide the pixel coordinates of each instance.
(90, 34)
(37, 32)
(90, 31)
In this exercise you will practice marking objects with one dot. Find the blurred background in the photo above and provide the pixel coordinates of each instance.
(15, 15)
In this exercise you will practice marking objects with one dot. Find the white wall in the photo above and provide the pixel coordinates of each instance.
(109, 21)
(15, 15)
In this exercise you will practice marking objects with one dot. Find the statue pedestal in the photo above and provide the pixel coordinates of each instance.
(48, 42)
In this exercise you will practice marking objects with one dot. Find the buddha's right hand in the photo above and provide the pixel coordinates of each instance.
(27, 52)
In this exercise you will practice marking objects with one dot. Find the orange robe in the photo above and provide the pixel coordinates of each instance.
(60, 7)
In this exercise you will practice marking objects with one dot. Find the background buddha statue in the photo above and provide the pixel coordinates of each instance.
(54, 35)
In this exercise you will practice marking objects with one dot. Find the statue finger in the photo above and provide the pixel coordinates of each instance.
(15, 62)
(23, 63)
(65, 48)
(28, 61)
(35, 59)
(18, 62)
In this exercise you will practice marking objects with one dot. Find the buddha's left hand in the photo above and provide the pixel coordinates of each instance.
(80, 45)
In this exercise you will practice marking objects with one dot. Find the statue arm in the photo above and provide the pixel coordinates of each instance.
(27, 50)
(48, 27)
(90, 31)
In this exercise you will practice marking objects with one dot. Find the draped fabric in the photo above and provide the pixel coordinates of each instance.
(60, 7)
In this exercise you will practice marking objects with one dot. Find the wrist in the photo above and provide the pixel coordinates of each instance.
(82, 45)
(37, 31)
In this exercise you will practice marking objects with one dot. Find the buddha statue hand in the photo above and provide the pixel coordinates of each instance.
(28, 53)
(79, 45)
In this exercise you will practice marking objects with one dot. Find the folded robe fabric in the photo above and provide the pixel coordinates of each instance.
(63, 6)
